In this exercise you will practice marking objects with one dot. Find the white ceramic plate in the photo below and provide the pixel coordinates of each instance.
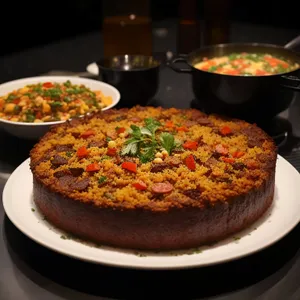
(36, 130)
(282, 217)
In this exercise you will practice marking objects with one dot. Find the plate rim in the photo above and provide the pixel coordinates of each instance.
(47, 244)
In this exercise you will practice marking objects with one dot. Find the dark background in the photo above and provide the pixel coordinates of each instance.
(32, 23)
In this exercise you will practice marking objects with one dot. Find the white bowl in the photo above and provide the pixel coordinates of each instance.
(33, 131)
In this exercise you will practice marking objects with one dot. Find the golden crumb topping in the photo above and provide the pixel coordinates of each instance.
(154, 158)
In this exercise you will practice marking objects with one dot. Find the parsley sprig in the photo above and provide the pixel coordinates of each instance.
(143, 142)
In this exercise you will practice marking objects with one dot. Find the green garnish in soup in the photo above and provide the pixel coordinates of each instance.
(247, 64)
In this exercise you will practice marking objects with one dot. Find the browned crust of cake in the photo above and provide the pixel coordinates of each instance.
(173, 223)
(146, 230)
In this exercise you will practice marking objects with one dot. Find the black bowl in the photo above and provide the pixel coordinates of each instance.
(135, 76)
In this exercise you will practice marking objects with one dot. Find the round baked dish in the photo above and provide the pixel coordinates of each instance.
(153, 178)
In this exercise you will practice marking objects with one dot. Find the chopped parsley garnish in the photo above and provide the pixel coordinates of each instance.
(108, 139)
(167, 141)
(69, 153)
(102, 179)
(143, 142)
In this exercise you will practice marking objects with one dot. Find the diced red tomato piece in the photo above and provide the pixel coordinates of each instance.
(191, 145)
(48, 85)
(130, 166)
(232, 72)
(87, 133)
(120, 130)
(190, 162)
(82, 152)
(260, 72)
(252, 164)
(169, 124)
(111, 151)
(228, 159)
(93, 167)
(140, 185)
(182, 128)
(16, 101)
(225, 130)
(38, 115)
(238, 154)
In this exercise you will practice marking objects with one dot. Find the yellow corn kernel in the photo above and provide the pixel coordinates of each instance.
(22, 102)
(46, 107)
(38, 121)
(9, 107)
(81, 110)
(14, 119)
(158, 155)
(157, 160)
(24, 90)
(112, 144)
(47, 118)
(85, 107)
(38, 101)
(64, 107)
(164, 153)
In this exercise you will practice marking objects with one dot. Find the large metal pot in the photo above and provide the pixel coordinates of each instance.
(252, 98)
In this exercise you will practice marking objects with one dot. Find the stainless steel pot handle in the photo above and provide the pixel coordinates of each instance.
(293, 83)
(293, 43)
(175, 68)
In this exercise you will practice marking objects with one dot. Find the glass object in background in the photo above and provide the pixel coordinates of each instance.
(127, 27)
(216, 21)
(189, 34)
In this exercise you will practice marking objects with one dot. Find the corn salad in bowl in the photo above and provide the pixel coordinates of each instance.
(51, 101)
(30, 106)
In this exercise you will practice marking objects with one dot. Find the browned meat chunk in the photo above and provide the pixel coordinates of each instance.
(98, 144)
(62, 173)
(255, 137)
(238, 166)
(58, 160)
(69, 182)
(76, 171)
(64, 148)
(193, 194)
(80, 185)
(159, 167)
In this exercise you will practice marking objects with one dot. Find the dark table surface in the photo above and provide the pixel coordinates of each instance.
(30, 271)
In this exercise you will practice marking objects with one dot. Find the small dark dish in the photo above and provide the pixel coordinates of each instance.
(135, 76)
(252, 98)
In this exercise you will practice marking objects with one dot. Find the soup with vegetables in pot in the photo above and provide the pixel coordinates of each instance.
(247, 64)
(51, 101)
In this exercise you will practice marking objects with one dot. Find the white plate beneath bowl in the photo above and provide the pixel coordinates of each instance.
(35, 130)
(281, 218)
